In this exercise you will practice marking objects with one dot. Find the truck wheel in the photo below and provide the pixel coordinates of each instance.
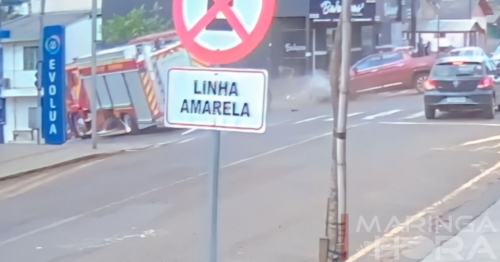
(430, 112)
(130, 123)
(419, 80)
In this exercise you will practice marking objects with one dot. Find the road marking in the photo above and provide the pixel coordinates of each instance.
(166, 143)
(480, 141)
(439, 124)
(15, 186)
(387, 113)
(428, 210)
(354, 114)
(185, 141)
(370, 89)
(310, 119)
(416, 115)
(35, 182)
(76, 217)
(189, 131)
(349, 115)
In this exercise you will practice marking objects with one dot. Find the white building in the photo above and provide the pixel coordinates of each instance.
(20, 61)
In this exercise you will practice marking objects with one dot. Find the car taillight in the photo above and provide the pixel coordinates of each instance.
(486, 82)
(430, 84)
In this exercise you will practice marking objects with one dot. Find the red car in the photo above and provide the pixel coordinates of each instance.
(390, 70)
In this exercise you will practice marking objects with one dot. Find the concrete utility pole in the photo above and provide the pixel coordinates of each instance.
(39, 65)
(332, 221)
(345, 78)
(339, 79)
(93, 96)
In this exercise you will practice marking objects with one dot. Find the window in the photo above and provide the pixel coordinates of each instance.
(30, 57)
(391, 58)
(491, 68)
(369, 62)
(459, 69)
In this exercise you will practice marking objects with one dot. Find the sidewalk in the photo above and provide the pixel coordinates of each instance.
(19, 159)
(479, 241)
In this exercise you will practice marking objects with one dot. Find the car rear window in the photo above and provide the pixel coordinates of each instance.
(462, 53)
(457, 69)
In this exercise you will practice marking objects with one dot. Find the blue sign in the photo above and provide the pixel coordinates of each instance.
(54, 86)
(2, 100)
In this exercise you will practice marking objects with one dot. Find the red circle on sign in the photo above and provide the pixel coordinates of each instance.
(249, 41)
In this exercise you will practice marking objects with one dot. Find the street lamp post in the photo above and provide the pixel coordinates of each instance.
(93, 97)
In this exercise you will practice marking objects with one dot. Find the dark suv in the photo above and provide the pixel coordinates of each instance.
(459, 82)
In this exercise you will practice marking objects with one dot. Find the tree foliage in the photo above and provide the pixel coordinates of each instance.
(136, 23)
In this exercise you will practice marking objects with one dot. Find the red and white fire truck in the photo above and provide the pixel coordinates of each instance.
(130, 85)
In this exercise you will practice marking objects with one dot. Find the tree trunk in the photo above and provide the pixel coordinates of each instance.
(333, 223)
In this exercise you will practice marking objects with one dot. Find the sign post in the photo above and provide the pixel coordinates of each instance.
(219, 32)
(54, 86)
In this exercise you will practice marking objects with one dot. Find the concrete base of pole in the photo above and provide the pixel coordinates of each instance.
(323, 250)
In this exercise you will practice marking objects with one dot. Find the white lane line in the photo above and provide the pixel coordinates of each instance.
(185, 141)
(310, 119)
(349, 115)
(480, 141)
(189, 131)
(439, 124)
(387, 113)
(73, 218)
(416, 115)
(363, 252)
(354, 114)
(370, 89)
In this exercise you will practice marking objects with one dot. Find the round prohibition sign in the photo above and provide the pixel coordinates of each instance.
(189, 32)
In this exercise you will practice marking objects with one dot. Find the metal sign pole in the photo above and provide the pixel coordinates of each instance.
(39, 65)
(93, 97)
(214, 195)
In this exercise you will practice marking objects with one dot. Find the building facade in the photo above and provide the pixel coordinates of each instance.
(20, 57)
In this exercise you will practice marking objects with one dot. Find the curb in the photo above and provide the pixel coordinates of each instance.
(61, 164)
(74, 161)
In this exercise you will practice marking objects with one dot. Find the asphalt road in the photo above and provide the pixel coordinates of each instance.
(152, 205)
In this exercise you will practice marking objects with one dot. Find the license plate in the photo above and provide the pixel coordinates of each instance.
(456, 99)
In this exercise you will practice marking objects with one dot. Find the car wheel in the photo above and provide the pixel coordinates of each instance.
(430, 112)
(490, 110)
(419, 80)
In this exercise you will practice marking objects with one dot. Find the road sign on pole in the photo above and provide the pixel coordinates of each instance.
(219, 32)
(249, 20)
(217, 99)
(54, 85)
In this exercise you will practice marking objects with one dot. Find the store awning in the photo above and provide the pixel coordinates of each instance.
(447, 26)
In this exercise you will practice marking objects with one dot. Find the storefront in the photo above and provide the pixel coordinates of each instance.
(284, 50)
(325, 16)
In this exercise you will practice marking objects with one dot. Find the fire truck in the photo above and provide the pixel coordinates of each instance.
(130, 86)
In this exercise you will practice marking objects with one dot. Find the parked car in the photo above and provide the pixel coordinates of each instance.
(462, 83)
(469, 51)
(391, 69)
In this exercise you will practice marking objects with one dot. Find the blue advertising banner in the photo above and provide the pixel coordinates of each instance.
(54, 86)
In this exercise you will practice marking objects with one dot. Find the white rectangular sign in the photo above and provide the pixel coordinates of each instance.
(217, 99)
